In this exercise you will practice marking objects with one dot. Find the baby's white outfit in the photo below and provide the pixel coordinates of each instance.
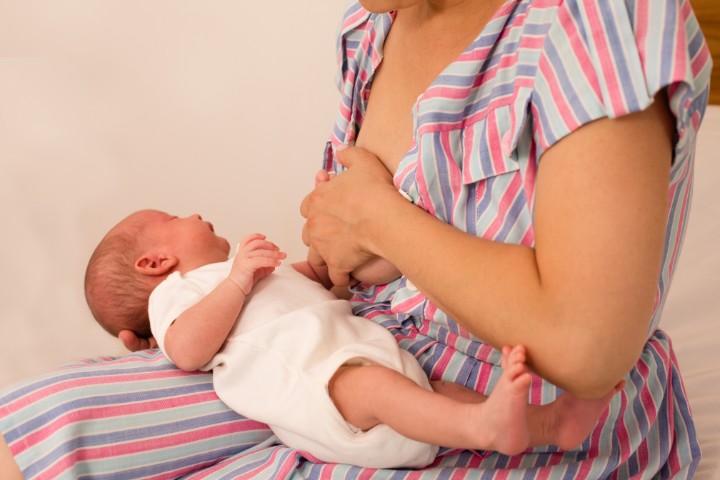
(290, 338)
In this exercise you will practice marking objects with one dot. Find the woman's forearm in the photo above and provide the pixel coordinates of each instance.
(582, 298)
(497, 292)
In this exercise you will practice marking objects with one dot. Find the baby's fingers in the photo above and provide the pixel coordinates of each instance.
(323, 176)
(250, 238)
(259, 244)
(245, 254)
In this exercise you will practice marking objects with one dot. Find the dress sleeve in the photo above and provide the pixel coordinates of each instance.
(608, 58)
(169, 299)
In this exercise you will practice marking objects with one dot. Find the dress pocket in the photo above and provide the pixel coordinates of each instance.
(471, 178)
(488, 147)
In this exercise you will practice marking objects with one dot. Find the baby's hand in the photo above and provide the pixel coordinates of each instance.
(256, 259)
(323, 176)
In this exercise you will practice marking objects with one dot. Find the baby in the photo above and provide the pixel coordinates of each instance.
(285, 351)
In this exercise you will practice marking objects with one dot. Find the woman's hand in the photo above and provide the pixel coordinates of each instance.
(134, 343)
(337, 210)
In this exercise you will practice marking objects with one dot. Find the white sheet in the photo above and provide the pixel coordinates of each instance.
(692, 312)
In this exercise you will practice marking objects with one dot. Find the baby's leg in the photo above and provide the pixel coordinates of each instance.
(566, 423)
(369, 395)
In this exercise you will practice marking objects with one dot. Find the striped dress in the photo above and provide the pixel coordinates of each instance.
(538, 71)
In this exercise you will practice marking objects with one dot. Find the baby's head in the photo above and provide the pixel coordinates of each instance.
(136, 255)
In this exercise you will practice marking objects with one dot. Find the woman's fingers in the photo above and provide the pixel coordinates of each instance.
(134, 343)
(334, 209)
(314, 258)
(339, 278)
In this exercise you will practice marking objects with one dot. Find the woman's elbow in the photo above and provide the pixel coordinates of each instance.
(596, 366)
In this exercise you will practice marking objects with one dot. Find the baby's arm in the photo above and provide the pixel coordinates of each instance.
(200, 331)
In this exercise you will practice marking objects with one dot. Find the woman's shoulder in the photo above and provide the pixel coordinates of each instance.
(587, 59)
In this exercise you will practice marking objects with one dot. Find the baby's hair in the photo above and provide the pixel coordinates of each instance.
(116, 294)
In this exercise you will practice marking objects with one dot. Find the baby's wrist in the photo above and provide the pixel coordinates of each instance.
(238, 286)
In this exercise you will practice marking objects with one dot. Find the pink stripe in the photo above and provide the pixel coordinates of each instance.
(442, 364)
(620, 429)
(536, 390)
(642, 14)
(366, 474)
(184, 471)
(700, 60)
(558, 96)
(116, 449)
(112, 411)
(57, 387)
(496, 102)
(529, 190)
(425, 196)
(686, 12)
(528, 238)
(682, 208)
(455, 178)
(454, 173)
(351, 19)
(410, 303)
(542, 139)
(647, 401)
(504, 205)
(496, 153)
(643, 456)
(264, 466)
(468, 142)
(289, 465)
(580, 51)
(607, 62)
(449, 92)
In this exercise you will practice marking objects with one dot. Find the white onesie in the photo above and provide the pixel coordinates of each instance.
(290, 338)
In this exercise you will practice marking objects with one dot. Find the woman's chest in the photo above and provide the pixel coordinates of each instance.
(390, 97)
(450, 128)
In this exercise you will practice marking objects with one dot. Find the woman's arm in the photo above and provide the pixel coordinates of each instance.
(199, 332)
(581, 300)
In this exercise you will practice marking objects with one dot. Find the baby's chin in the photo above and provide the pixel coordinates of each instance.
(226, 248)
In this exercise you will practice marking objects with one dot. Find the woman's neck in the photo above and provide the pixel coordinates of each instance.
(451, 17)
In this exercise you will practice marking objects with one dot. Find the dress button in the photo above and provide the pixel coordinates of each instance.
(505, 145)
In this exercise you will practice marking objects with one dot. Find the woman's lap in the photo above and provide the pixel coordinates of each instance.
(140, 417)
(136, 414)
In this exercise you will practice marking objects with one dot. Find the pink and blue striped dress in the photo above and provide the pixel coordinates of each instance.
(538, 71)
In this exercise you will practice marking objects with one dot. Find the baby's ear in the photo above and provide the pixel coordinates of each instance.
(153, 264)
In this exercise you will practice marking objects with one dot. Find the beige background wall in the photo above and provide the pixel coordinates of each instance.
(219, 107)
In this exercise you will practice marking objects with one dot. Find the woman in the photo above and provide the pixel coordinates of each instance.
(549, 145)
(547, 159)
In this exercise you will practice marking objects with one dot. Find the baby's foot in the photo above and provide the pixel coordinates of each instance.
(503, 416)
(572, 419)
